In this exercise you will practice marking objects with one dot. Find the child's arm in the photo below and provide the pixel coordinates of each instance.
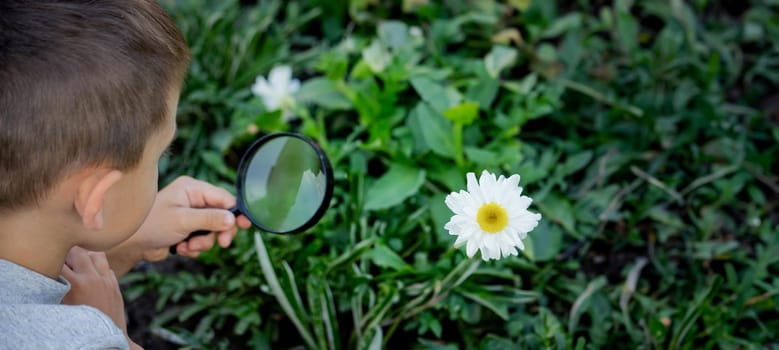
(184, 206)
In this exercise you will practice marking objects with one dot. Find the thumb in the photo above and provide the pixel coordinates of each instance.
(155, 254)
(208, 219)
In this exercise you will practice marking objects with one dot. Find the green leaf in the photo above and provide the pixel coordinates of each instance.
(702, 300)
(383, 256)
(489, 302)
(481, 157)
(546, 52)
(570, 22)
(582, 302)
(215, 162)
(575, 162)
(432, 130)
(521, 5)
(499, 58)
(484, 92)
(544, 242)
(278, 292)
(400, 182)
(394, 33)
(627, 29)
(377, 340)
(558, 210)
(441, 171)
(441, 214)
(708, 250)
(464, 113)
(434, 93)
(524, 86)
(323, 92)
(222, 139)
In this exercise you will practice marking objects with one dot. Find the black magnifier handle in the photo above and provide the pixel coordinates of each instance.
(172, 249)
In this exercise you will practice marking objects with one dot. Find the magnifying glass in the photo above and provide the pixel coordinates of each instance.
(284, 184)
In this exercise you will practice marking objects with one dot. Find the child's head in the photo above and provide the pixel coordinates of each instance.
(82, 83)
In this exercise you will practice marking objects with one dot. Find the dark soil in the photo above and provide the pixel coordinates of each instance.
(141, 311)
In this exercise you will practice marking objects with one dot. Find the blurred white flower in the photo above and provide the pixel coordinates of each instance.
(491, 216)
(376, 56)
(417, 38)
(278, 90)
(348, 44)
(415, 32)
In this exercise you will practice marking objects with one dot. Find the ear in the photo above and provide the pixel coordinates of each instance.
(91, 194)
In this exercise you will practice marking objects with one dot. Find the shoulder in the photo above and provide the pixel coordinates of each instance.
(37, 326)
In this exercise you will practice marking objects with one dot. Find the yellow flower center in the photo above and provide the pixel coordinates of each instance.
(492, 217)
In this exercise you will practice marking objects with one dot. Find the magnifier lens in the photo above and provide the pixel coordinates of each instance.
(284, 184)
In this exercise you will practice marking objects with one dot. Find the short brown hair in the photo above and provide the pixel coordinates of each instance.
(82, 83)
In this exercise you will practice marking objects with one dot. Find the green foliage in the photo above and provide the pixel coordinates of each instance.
(637, 128)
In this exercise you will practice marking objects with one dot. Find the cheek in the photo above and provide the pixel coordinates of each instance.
(146, 192)
(151, 187)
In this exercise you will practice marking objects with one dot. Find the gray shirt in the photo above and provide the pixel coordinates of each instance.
(31, 316)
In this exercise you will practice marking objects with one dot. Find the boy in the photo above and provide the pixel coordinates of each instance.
(88, 94)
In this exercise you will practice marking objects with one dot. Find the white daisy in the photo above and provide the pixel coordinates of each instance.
(277, 92)
(491, 216)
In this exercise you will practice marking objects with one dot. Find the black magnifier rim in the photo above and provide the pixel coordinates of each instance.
(323, 161)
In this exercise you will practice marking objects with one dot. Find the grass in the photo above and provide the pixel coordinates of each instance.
(644, 131)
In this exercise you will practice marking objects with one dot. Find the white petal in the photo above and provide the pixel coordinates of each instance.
(279, 78)
(470, 249)
(294, 86)
(518, 206)
(270, 97)
(521, 245)
(261, 87)
(512, 181)
(492, 254)
(517, 238)
(457, 222)
(474, 189)
(488, 185)
(458, 202)
(492, 245)
(509, 241)
(460, 241)
(508, 250)
(452, 227)
(526, 223)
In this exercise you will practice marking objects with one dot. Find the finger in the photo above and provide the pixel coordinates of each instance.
(111, 275)
(224, 238)
(201, 243)
(209, 219)
(79, 261)
(100, 262)
(205, 195)
(182, 250)
(154, 255)
(68, 273)
(243, 221)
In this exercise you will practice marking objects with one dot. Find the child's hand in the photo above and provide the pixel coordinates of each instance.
(185, 206)
(93, 283)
